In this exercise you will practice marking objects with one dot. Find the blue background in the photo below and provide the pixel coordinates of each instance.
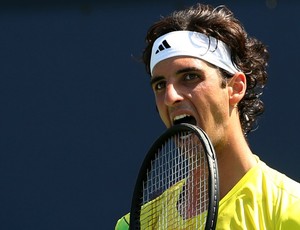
(77, 114)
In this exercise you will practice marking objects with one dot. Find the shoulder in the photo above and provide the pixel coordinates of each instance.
(286, 197)
(123, 223)
(285, 186)
(263, 197)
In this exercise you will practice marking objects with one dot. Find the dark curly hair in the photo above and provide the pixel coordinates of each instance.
(247, 53)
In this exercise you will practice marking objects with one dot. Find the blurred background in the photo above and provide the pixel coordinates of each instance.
(77, 114)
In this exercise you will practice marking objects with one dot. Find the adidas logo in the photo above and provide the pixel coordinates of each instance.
(164, 45)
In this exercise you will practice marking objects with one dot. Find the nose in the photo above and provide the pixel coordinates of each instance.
(172, 95)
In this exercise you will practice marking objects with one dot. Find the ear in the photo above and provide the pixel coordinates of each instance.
(236, 88)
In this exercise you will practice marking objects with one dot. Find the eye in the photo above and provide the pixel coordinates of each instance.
(159, 85)
(191, 76)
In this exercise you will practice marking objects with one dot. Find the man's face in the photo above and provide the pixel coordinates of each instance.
(189, 90)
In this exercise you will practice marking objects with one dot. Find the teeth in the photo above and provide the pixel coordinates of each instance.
(180, 117)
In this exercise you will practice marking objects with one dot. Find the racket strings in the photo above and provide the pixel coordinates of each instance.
(176, 190)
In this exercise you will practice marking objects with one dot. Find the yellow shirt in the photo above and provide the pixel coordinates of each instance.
(262, 199)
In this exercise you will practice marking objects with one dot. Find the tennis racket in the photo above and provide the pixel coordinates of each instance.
(177, 186)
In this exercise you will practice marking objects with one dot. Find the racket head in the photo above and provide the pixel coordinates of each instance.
(146, 192)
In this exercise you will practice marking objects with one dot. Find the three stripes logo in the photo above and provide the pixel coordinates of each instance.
(164, 45)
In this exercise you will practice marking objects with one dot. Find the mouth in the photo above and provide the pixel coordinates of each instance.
(184, 118)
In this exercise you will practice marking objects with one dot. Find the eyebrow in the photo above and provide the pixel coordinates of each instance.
(189, 69)
(180, 71)
(156, 79)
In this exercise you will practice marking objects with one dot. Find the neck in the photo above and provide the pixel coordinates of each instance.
(234, 161)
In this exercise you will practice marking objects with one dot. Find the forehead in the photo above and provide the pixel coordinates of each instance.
(174, 64)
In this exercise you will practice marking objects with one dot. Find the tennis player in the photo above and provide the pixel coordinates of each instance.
(206, 70)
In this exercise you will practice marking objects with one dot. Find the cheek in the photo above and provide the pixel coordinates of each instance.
(210, 100)
(163, 111)
(158, 102)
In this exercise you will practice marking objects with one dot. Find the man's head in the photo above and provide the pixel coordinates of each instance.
(224, 35)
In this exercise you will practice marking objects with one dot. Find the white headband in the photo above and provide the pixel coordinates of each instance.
(194, 44)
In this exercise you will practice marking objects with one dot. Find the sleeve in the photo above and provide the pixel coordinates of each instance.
(123, 223)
